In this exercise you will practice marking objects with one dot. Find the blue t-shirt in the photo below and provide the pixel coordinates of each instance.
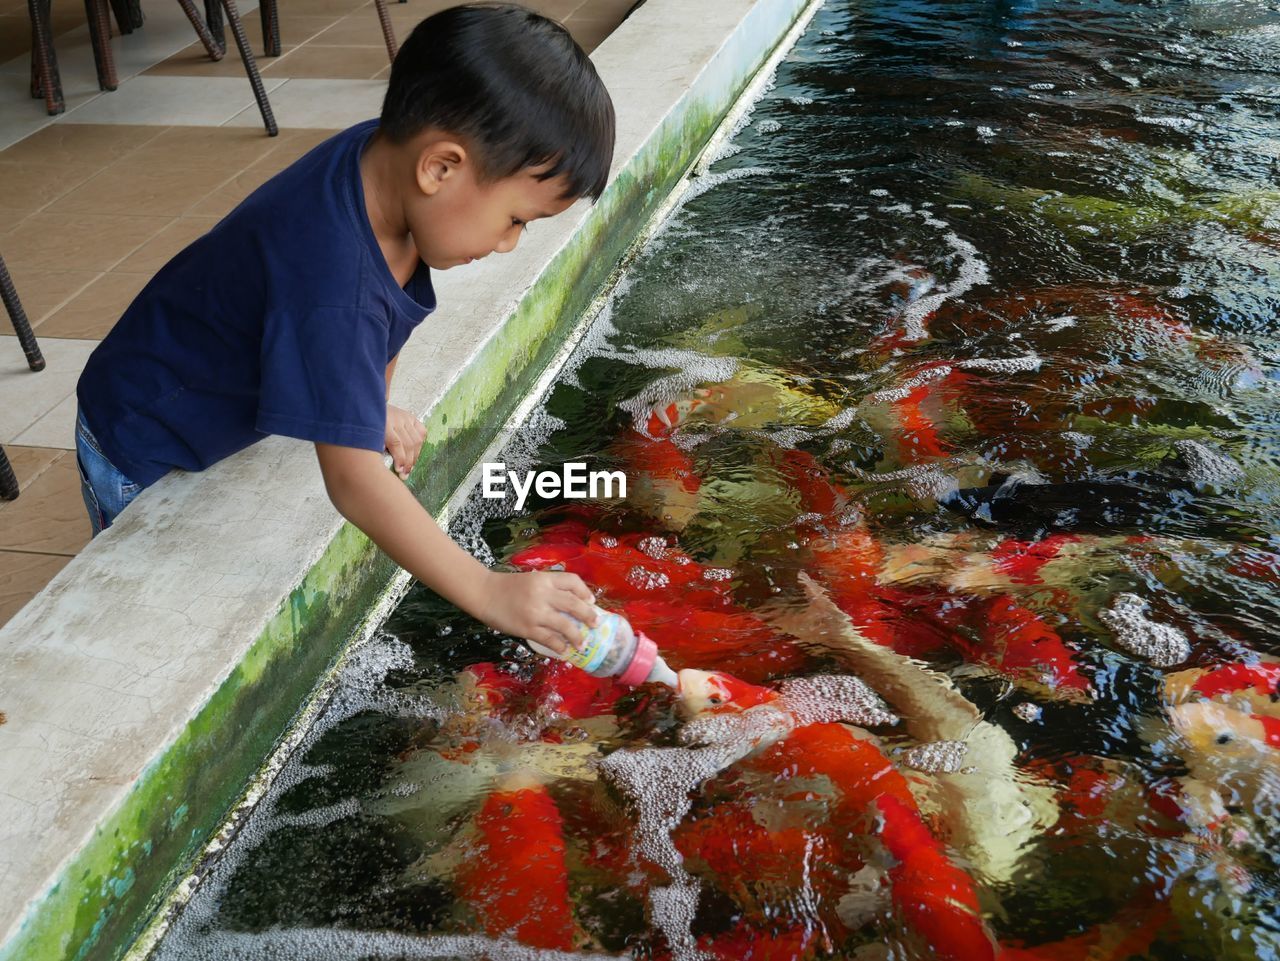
(281, 320)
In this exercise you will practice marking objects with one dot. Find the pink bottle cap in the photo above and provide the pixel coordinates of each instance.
(637, 671)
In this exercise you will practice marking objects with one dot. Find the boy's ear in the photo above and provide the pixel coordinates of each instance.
(437, 162)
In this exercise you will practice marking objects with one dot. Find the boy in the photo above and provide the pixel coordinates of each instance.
(287, 317)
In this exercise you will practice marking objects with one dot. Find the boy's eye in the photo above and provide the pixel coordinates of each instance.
(517, 222)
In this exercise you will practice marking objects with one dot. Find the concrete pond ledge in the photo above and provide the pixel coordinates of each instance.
(145, 686)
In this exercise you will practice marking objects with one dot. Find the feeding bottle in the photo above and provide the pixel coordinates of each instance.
(613, 649)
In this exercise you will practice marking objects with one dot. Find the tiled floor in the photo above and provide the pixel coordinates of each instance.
(93, 202)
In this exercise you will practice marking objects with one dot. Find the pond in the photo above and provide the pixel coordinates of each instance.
(954, 380)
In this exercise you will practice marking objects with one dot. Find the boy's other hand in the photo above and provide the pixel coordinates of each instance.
(405, 435)
(534, 606)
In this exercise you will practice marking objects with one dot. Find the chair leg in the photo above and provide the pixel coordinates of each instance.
(8, 482)
(215, 49)
(270, 12)
(99, 16)
(44, 60)
(124, 16)
(135, 13)
(35, 359)
(250, 67)
(388, 32)
(213, 17)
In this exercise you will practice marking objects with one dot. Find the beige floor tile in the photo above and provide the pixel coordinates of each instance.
(57, 428)
(555, 9)
(224, 149)
(320, 8)
(94, 311)
(43, 290)
(23, 576)
(125, 188)
(15, 34)
(352, 63)
(27, 187)
(50, 516)
(161, 248)
(80, 241)
(64, 143)
(194, 62)
(329, 104)
(26, 396)
(358, 29)
(589, 33)
(30, 462)
(172, 101)
(223, 199)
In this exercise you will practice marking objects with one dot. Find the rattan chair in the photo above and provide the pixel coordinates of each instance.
(35, 360)
(269, 11)
(46, 81)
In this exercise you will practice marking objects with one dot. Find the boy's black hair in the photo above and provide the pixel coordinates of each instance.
(513, 83)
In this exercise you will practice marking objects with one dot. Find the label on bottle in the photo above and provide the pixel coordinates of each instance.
(598, 642)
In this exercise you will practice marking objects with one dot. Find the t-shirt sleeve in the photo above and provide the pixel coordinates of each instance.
(324, 377)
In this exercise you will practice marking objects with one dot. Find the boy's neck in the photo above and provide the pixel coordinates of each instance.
(379, 165)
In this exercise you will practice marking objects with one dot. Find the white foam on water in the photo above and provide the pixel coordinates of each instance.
(955, 123)
(1161, 644)
(1207, 466)
(827, 698)
(339, 944)
(1027, 711)
(768, 126)
(195, 934)
(1002, 365)
(986, 132)
(1042, 86)
(894, 394)
(1077, 438)
(1061, 323)
(802, 101)
(923, 481)
(936, 757)
(972, 272)
(878, 192)
(1176, 123)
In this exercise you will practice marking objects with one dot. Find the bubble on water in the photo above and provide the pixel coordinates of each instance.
(693, 369)
(1013, 43)
(1206, 466)
(340, 944)
(768, 126)
(936, 757)
(717, 574)
(987, 132)
(1161, 644)
(1061, 323)
(826, 698)
(1078, 439)
(1176, 123)
(894, 394)
(955, 123)
(1178, 292)
(1042, 86)
(878, 192)
(801, 101)
(1003, 365)
(1027, 711)
(972, 272)
(654, 546)
(922, 481)
(643, 579)
(672, 910)
(608, 541)
(1087, 229)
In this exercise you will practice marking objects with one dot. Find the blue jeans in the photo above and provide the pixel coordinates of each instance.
(106, 491)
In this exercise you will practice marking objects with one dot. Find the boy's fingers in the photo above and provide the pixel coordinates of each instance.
(582, 610)
(569, 631)
(549, 638)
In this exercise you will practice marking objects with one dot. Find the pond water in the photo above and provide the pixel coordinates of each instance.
(957, 374)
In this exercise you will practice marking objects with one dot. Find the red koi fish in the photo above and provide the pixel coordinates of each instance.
(621, 566)
(517, 882)
(656, 457)
(933, 897)
(1250, 688)
(700, 630)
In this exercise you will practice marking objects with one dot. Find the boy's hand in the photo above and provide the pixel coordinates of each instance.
(533, 606)
(405, 435)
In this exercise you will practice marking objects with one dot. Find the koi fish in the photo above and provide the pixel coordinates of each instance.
(1249, 688)
(998, 812)
(933, 897)
(516, 881)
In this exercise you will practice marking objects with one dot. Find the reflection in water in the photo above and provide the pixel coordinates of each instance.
(957, 376)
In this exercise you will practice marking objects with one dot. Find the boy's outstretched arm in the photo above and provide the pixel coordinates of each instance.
(528, 605)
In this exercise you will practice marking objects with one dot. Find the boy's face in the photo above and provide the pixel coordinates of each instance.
(462, 220)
